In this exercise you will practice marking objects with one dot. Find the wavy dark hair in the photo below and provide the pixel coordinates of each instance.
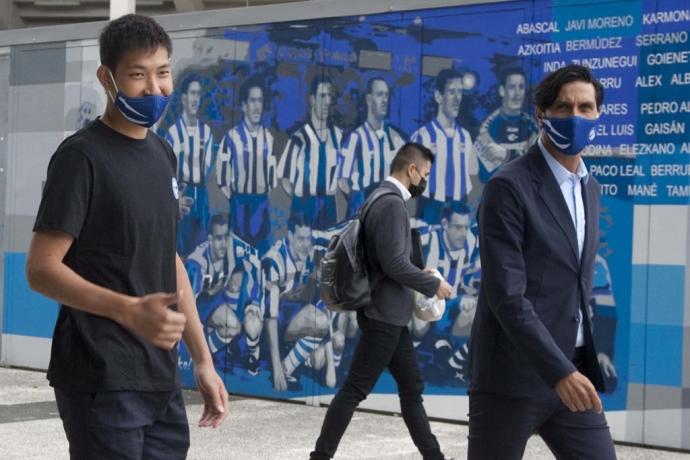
(547, 91)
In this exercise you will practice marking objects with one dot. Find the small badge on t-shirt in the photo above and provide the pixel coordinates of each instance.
(175, 189)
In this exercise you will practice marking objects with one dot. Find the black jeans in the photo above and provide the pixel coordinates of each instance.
(381, 346)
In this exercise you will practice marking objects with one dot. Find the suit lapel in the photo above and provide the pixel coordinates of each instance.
(551, 194)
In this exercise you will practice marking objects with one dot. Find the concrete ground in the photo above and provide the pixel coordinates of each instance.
(256, 430)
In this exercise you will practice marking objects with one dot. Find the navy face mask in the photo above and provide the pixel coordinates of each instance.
(570, 135)
(143, 111)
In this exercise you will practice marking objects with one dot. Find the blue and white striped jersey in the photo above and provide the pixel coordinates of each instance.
(454, 164)
(368, 153)
(194, 149)
(284, 270)
(310, 163)
(212, 277)
(460, 268)
(246, 163)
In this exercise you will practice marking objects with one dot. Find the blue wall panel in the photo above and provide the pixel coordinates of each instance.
(26, 312)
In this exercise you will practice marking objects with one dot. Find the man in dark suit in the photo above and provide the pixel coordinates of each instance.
(533, 366)
(386, 341)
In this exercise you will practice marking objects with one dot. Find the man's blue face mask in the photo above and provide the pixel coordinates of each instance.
(570, 135)
(143, 111)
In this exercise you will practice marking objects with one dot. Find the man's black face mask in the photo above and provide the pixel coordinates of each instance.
(418, 189)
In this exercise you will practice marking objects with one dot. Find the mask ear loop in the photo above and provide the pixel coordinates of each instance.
(415, 168)
(112, 78)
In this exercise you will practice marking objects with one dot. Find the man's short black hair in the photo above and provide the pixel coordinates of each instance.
(370, 83)
(188, 80)
(219, 220)
(503, 76)
(252, 82)
(411, 153)
(318, 80)
(455, 207)
(298, 220)
(444, 77)
(132, 32)
(547, 91)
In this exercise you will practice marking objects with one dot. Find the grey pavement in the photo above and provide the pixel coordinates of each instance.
(255, 430)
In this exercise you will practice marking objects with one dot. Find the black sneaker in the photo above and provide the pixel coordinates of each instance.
(253, 366)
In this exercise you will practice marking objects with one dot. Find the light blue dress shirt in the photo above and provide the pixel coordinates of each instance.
(571, 188)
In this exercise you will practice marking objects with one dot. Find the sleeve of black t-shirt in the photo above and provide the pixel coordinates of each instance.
(173, 162)
(66, 195)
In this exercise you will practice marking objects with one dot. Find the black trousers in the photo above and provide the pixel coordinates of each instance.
(500, 427)
(124, 425)
(381, 346)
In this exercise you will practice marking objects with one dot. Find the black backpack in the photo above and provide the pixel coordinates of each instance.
(344, 284)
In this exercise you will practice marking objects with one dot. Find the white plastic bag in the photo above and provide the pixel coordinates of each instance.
(429, 308)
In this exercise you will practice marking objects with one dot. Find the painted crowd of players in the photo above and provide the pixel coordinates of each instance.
(256, 281)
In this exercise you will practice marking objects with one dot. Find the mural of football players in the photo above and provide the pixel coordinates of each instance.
(603, 304)
(509, 131)
(297, 325)
(311, 156)
(453, 250)
(225, 275)
(370, 148)
(344, 329)
(455, 167)
(192, 142)
(245, 169)
(86, 115)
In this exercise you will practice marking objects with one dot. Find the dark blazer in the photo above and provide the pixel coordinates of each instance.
(388, 252)
(533, 284)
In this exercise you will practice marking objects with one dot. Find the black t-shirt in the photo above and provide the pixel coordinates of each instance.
(117, 197)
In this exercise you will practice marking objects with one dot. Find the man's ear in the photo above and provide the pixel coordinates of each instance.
(409, 168)
(501, 91)
(438, 97)
(538, 114)
(103, 75)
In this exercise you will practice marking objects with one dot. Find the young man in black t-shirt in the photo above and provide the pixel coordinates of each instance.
(104, 247)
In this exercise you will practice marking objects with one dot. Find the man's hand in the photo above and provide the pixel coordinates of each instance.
(211, 387)
(445, 290)
(468, 309)
(578, 393)
(150, 318)
(495, 153)
(606, 365)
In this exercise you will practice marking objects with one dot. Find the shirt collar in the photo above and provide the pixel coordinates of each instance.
(405, 193)
(559, 171)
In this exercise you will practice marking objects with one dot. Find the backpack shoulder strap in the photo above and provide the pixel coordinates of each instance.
(375, 195)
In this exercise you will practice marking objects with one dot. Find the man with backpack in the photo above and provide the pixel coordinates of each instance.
(386, 341)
